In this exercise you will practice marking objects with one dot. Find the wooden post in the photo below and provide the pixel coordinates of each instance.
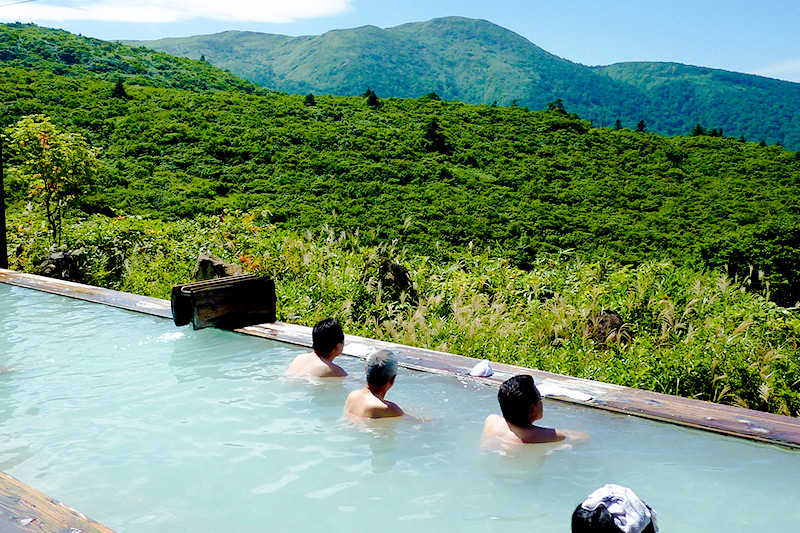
(228, 302)
(3, 243)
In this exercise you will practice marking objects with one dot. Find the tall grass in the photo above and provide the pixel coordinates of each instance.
(694, 334)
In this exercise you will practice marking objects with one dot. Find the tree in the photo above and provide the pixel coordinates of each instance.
(372, 99)
(56, 166)
(310, 100)
(435, 140)
(618, 124)
(556, 105)
(641, 127)
(119, 90)
(698, 130)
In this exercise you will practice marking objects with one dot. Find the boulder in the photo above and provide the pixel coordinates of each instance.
(62, 265)
(393, 277)
(209, 266)
(606, 326)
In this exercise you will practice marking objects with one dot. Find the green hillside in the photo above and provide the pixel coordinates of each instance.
(740, 104)
(30, 48)
(477, 62)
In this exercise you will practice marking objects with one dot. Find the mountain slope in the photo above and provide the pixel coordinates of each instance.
(752, 106)
(473, 61)
(476, 61)
(60, 53)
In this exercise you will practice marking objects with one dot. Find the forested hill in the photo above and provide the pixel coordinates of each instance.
(28, 47)
(477, 62)
(186, 138)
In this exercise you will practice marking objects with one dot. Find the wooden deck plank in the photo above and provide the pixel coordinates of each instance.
(24, 510)
(123, 300)
(725, 419)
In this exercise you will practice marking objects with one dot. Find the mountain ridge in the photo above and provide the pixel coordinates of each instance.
(479, 62)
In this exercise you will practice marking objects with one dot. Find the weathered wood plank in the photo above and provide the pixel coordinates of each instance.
(228, 302)
(23, 510)
(123, 300)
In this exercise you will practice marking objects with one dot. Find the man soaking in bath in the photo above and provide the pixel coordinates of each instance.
(521, 405)
(327, 340)
(369, 402)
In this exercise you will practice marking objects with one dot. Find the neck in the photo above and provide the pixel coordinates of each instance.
(378, 392)
(328, 356)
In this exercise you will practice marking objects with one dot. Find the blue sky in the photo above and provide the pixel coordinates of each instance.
(743, 36)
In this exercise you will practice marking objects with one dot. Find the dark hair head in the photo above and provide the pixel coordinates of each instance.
(327, 333)
(516, 396)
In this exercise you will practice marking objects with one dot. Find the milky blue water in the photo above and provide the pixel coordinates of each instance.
(146, 427)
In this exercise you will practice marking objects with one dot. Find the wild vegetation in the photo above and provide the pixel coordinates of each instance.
(515, 226)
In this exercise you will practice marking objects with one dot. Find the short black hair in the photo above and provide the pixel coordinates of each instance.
(516, 396)
(327, 333)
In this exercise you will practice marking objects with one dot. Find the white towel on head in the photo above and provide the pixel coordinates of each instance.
(482, 369)
(630, 513)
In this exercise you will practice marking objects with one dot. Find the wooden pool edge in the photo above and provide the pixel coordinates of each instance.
(724, 419)
(24, 509)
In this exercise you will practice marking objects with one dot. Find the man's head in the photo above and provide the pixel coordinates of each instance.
(381, 368)
(327, 333)
(517, 396)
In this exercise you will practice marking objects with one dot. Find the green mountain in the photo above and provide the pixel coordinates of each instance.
(478, 62)
(435, 175)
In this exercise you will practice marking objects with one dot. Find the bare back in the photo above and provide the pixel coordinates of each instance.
(363, 404)
(311, 364)
(498, 427)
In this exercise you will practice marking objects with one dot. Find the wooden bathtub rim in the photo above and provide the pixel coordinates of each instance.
(718, 418)
(24, 510)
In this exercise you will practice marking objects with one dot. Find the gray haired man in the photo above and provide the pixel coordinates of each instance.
(369, 402)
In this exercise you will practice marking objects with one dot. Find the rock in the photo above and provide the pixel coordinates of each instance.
(209, 266)
(62, 265)
(393, 277)
(606, 326)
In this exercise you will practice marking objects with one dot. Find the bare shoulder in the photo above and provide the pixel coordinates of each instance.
(495, 425)
(300, 364)
(310, 364)
(363, 403)
(390, 409)
(540, 435)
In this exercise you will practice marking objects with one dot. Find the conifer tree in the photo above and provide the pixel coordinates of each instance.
(372, 99)
(119, 90)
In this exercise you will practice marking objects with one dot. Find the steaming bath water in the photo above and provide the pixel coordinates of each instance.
(146, 427)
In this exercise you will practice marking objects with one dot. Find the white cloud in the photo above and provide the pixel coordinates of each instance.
(787, 70)
(154, 11)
